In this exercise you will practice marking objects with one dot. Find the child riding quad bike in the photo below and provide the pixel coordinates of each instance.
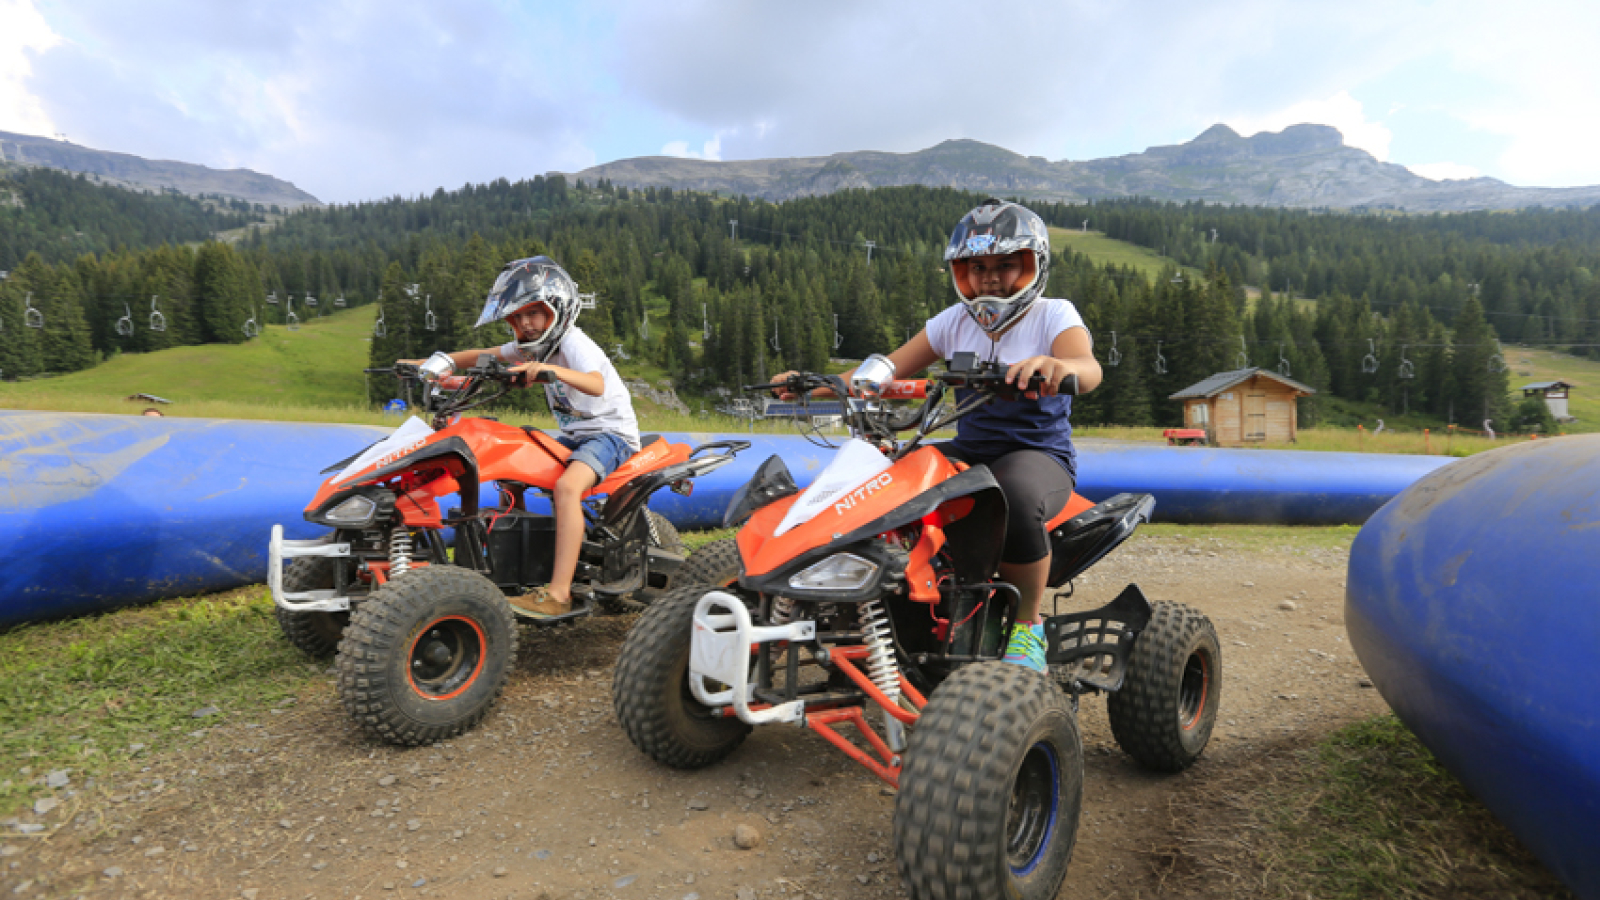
(424, 633)
(875, 588)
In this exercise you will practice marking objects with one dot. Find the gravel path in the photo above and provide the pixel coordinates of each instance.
(548, 799)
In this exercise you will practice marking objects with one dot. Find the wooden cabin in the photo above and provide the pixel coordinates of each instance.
(1245, 406)
(1555, 395)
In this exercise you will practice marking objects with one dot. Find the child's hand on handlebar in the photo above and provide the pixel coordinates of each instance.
(1050, 369)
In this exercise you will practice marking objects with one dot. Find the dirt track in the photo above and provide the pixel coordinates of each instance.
(549, 799)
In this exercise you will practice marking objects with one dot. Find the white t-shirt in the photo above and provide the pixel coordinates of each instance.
(953, 331)
(1002, 426)
(577, 413)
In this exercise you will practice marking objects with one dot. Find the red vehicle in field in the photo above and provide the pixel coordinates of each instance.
(413, 598)
(872, 594)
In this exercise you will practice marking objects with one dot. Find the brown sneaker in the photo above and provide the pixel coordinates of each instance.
(539, 605)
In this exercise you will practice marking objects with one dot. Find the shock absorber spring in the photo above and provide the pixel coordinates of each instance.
(399, 552)
(782, 610)
(882, 667)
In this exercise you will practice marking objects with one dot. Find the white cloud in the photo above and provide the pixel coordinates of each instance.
(23, 33)
(1444, 171)
(711, 150)
(1341, 110)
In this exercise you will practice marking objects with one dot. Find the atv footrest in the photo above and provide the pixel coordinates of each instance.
(719, 651)
(279, 550)
(1090, 649)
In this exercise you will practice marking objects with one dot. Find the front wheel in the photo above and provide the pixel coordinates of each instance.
(316, 634)
(650, 691)
(991, 788)
(426, 655)
(1166, 709)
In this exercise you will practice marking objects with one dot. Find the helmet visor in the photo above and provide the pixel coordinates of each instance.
(512, 290)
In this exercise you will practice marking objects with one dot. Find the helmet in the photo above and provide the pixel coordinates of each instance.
(998, 228)
(528, 281)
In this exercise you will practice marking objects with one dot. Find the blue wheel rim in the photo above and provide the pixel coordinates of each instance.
(1033, 810)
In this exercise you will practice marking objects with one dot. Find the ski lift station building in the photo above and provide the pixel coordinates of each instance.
(1555, 397)
(1245, 406)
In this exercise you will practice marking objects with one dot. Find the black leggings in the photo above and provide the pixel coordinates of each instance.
(1037, 487)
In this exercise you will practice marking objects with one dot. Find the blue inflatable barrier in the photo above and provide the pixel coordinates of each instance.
(1473, 602)
(102, 511)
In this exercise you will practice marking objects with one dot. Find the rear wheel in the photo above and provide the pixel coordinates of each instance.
(315, 634)
(1164, 714)
(991, 789)
(426, 655)
(714, 563)
(650, 691)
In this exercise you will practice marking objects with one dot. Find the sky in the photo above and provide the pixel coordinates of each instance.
(366, 99)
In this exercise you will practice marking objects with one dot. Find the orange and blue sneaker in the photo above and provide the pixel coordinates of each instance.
(1026, 647)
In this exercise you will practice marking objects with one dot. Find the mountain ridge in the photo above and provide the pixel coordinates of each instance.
(1303, 166)
(137, 173)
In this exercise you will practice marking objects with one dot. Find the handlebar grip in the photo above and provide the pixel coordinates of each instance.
(544, 376)
(1069, 385)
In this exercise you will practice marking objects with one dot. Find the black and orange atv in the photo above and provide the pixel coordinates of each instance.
(414, 602)
(875, 589)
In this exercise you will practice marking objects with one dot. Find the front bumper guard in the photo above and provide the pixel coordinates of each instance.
(322, 600)
(720, 650)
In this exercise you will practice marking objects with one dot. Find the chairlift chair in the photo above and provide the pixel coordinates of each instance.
(30, 316)
(1406, 369)
(1369, 363)
(429, 320)
(272, 298)
(1161, 361)
(378, 329)
(1243, 358)
(125, 324)
(289, 318)
(158, 322)
(311, 301)
(339, 302)
(1283, 363)
(1113, 356)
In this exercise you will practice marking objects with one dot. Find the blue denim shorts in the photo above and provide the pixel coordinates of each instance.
(603, 452)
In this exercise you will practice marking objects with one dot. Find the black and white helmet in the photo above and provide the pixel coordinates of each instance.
(999, 228)
(528, 281)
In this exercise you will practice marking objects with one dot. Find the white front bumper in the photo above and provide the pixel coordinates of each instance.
(279, 550)
(720, 650)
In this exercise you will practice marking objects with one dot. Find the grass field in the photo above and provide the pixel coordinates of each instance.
(1110, 251)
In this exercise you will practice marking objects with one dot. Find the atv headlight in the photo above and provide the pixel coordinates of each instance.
(839, 572)
(355, 512)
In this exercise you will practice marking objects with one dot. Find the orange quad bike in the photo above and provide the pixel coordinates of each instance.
(414, 602)
(873, 595)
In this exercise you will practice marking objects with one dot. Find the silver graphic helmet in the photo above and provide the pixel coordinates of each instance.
(528, 281)
(998, 228)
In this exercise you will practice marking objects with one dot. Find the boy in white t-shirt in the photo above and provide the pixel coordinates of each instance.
(539, 301)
